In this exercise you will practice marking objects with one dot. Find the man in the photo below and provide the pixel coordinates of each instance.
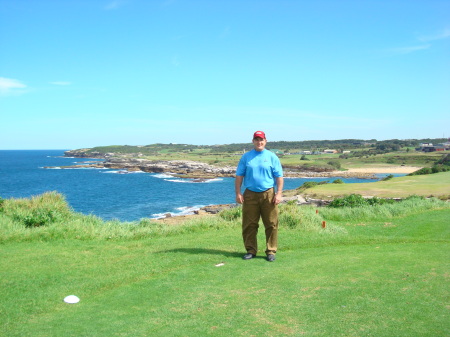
(261, 171)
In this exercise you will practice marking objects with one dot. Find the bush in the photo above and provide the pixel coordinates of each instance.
(356, 200)
(335, 163)
(388, 177)
(442, 165)
(309, 184)
(389, 209)
(293, 216)
(38, 211)
(231, 213)
(352, 200)
(338, 181)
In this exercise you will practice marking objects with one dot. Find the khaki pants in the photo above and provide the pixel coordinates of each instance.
(256, 205)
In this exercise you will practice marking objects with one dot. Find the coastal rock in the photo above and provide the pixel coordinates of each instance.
(178, 168)
(214, 209)
(192, 169)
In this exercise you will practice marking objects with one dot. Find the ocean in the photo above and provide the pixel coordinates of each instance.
(108, 193)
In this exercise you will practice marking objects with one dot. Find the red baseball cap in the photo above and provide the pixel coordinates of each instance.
(259, 134)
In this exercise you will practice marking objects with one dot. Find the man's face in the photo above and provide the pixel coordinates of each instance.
(259, 143)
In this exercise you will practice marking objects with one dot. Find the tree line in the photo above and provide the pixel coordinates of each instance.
(371, 146)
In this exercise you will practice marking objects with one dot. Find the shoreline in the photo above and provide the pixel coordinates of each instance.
(202, 171)
(368, 172)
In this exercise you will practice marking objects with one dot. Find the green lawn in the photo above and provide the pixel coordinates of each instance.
(387, 277)
(437, 184)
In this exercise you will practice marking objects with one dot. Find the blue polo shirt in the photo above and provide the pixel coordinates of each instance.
(259, 169)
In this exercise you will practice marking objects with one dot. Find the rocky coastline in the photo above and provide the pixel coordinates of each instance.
(190, 169)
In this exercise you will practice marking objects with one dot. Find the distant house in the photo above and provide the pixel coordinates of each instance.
(428, 149)
(305, 152)
(330, 151)
(346, 152)
(440, 147)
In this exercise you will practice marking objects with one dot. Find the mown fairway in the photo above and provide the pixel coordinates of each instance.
(425, 185)
(387, 277)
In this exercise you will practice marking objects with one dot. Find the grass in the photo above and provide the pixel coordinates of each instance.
(215, 157)
(379, 275)
(432, 184)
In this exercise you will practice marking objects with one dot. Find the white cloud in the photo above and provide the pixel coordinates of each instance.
(61, 83)
(408, 50)
(9, 86)
(425, 40)
(444, 34)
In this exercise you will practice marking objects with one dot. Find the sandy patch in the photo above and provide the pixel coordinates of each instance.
(385, 169)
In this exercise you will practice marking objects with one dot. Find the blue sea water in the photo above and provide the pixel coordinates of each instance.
(109, 194)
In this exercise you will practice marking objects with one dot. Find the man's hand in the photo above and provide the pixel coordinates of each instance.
(277, 198)
(239, 198)
(237, 188)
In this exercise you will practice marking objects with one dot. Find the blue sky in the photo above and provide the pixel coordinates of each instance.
(84, 73)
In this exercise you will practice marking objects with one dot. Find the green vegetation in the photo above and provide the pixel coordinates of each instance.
(356, 200)
(437, 185)
(388, 177)
(442, 165)
(379, 270)
(358, 153)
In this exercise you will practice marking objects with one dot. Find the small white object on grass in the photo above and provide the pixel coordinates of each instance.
(71, 299)
(220, 264)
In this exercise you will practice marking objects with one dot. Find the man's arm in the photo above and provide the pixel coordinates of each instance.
(237, 187)
(279, 195)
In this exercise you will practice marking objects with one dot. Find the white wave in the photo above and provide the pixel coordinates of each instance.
(85, 162)
(123, 172)
(194, 181)
(180, 211)
(162, 175)
(178, 180)
(85, 168)
(73, 168)
(115, 172)
(213, 180)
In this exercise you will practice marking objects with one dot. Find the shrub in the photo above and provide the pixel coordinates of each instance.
(352, 200)
(231, 213)
(338, 181)
(309, 184)
(335, 163)
(356, 200)
(294, 216)
(38, 211)
(388, 177)
(388, 209)
(442, 165)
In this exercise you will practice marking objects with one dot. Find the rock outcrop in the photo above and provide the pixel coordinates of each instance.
(188, 168)
(178, 168)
